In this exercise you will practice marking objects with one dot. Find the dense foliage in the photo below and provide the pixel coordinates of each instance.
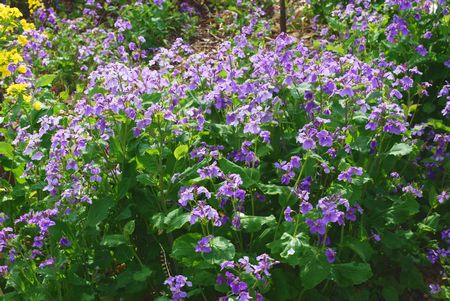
(134, 167)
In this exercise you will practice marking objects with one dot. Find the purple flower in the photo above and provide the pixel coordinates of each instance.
(375, 236)
(428, 35)
(72, 164)
(331, 255)
(3, 217)
(316, 226)
(432, 256)
(158, 2)
(347, 91)
(3, 270)
(176, 283)
(309, 143)
(287, 214)
(325, 138)
(443, 196)
(265, 135)
(411, 189)
(305, 207)
(203, 245)
(205, 212)
(190, 193)
(446, 235)
(421, 50)
(211, 171)
(48, 262)
(64, 242)
(435, 288)
(329, 87)
(347, 175)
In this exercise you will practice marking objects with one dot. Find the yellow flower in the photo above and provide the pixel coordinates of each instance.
(26, 26)
(22, 69)
(4, 72)
(27, 98)
(34, 4)
(37, 105)
(16, 89)
(22, 40)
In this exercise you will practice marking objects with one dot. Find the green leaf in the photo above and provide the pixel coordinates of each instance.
(6, 149)
(401, 210)
(271, 189)
(362, 248)
(149, 99)
(45, 80)
(290, 248)
(181, 151)
(430, 223)
(390, 293)
(128, 229)
(400, 149)
(314, 268)
(98, 211)
(222, 250)
(353, 273)
(254, 223)
(142, 275)
(113, 240)
(176, 219)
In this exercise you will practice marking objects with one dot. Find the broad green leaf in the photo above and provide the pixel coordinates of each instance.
(149, 99)
(98, 211)
(362, 248)
(353, 273)
(113, 240)
(222, 250)
(142, 275)
(390, 293)
(254, 223)
(289, 248)
(400, 149)
(314, 268)
(6, 149)
(401, 210)
(181, 151)
(128, 229)
(430, 223)
(176, 219)
(45, 80)
(271, 189)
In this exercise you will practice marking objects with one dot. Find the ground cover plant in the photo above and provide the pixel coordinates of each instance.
(136, 166)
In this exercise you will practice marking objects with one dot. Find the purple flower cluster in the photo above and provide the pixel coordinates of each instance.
(176, 284)
(203, 245)
(240, 288)
(346, 175)
(288, 169)
(331, 213)
(191, 194)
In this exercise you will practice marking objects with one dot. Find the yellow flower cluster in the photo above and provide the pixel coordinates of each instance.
(34, 5)
(6, 58)
(26, 26)
(9, 23)
(22, 40)
(21, 89)
(16, 89)
(8, 16)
